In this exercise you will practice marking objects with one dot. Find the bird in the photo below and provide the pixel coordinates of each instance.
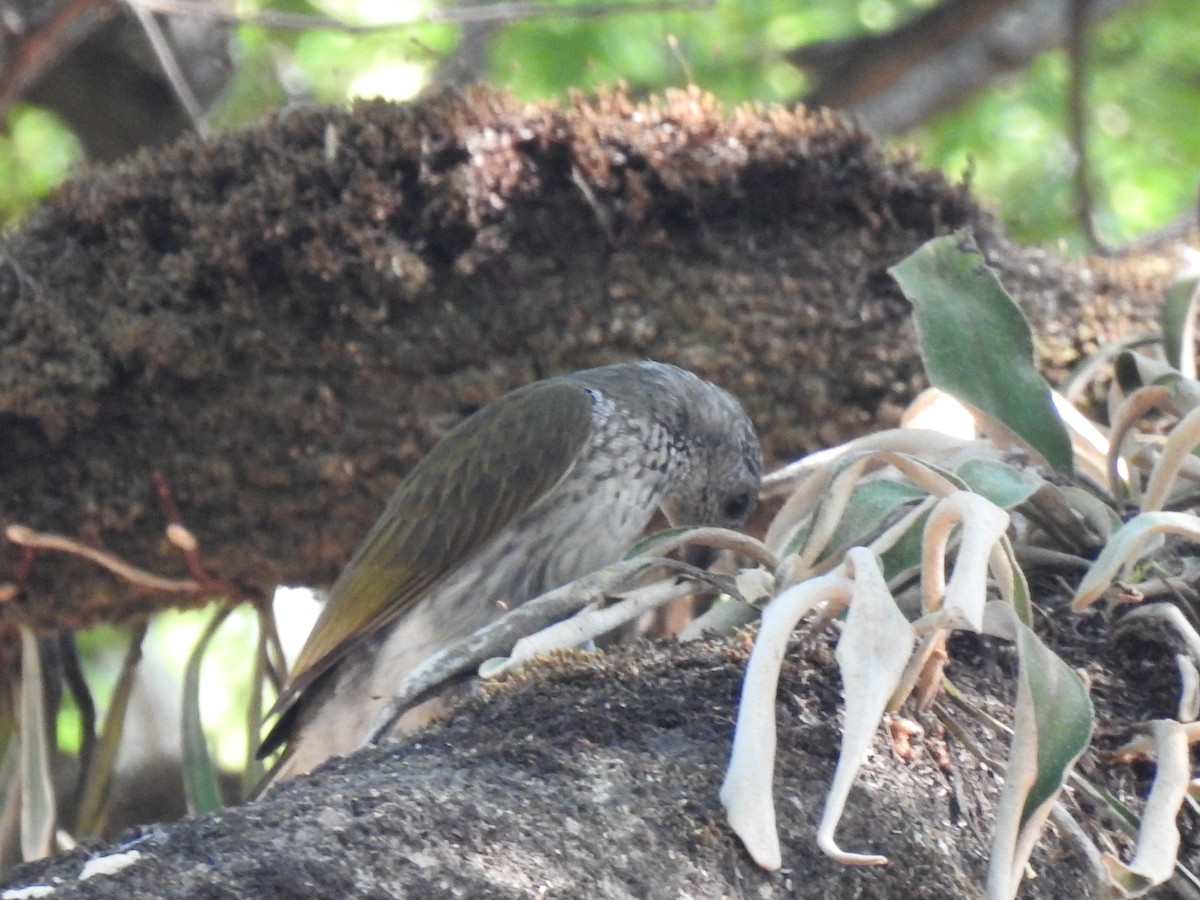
(542, 486)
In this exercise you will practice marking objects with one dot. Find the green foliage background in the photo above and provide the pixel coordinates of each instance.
(1144, 92)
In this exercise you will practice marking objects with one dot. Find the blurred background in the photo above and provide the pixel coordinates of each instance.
(1078, 120)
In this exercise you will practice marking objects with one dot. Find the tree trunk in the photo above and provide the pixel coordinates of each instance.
(281, 321)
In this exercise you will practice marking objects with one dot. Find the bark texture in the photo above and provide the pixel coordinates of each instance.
(592, 777)
(282, 320)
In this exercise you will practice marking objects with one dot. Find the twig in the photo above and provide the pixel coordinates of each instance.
(988, 721)
(27, 538)
(170, 66)
(967, 739)
(276, 669)
(178, 533)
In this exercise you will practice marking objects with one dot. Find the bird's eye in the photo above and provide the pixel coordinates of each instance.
(735, 508)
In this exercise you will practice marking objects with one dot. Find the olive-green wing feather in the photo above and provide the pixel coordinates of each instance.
(483, 475)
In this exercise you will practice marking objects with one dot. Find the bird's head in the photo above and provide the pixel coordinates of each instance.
(717, 460)
(720, 485)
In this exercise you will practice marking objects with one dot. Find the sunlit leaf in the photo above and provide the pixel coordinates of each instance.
(1128, 544)
(810, 478)
(38, 811)
(982, 524)
(1176, 453)
(976, 344)
(746, 790)
(1158, 837)
(872, 652)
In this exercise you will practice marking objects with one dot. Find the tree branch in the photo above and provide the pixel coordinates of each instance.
(851, 70)
(1009, 41)
(593, 775)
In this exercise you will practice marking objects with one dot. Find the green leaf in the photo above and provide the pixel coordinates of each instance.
(1052, 726)
(976, 343)
(200, 782)
(1063, 715)
(1002, 484)
(905, 554)
(93, 804)
(871, 504)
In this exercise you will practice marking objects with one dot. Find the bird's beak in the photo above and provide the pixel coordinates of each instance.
(700, 557)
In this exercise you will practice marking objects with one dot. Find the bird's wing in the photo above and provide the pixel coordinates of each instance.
(482, 476)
